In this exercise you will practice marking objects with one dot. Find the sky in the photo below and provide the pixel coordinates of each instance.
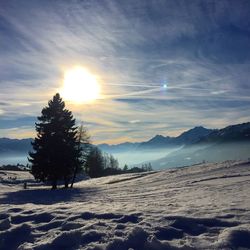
(164, 66)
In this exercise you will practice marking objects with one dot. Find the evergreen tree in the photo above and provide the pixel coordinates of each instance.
(56, 149)
(106, 161)
(114, 164)
(125, 168)
(94, 165)
(150, 168)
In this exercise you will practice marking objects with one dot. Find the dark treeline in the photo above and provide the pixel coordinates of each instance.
(100, 164)
(15, 167)
(144, 168)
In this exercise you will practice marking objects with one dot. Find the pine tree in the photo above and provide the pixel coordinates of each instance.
(125, 168)
(114, 164)
(56, 149)
(94, 165)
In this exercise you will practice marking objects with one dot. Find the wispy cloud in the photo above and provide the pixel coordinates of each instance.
(201, 50)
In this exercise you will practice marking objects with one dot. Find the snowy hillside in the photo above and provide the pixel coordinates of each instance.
(200, 207)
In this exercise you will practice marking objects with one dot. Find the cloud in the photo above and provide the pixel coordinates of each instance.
(200, 49)
(135, 121)
(14, 122)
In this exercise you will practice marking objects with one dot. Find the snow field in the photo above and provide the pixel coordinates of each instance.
(200, 207)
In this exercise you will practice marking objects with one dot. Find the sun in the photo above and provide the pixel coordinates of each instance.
(80, 86)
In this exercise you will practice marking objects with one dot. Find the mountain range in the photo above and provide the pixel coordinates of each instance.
(195, 136)
(14, 146)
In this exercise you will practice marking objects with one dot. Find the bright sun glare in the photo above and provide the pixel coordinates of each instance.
(80, 86)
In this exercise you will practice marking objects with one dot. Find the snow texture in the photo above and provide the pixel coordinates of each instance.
(199, 207)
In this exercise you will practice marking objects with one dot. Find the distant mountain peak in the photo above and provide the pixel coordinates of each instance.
(157, 137)
(238, 132)
(198, 127)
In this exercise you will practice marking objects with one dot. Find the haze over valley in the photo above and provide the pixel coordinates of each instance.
(191, 147)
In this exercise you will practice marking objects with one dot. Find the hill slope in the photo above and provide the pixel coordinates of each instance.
(200, 207)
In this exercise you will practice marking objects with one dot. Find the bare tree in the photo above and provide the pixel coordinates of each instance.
(83, 139)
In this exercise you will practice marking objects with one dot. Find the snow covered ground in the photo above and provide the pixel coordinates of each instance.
(200, 207)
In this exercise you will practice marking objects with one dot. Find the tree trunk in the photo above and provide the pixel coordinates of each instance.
(66, 183)
(74, 176)
(54, 184)
(76, 166)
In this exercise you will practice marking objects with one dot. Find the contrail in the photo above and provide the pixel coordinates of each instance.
(155, 87)
(154, 84)
(132, 93)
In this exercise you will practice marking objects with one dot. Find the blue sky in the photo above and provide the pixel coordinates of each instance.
(200, 49)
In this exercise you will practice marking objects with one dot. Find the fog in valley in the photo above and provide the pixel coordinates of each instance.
(184, 155)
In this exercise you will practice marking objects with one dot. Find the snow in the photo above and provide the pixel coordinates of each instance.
(204, 206)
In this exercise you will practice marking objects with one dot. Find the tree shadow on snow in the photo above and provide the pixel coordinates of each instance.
(47, 196)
